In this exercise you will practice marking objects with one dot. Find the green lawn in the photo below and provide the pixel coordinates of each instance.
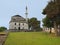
(31, 38)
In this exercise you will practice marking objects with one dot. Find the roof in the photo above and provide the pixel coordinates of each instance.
(17, 18)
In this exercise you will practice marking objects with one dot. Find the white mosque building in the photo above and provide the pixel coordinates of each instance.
(18, 23)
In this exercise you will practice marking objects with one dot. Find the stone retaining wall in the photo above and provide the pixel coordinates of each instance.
(3, 38)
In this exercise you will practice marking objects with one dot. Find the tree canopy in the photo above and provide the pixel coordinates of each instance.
(3, 29)
(34, 23)
(52, 10)
(47, 22)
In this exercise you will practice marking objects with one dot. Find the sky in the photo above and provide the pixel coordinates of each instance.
(9, 8)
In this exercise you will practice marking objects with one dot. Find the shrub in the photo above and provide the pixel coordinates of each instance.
(3, 29)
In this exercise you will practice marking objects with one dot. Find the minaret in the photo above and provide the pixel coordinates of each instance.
(26, 13)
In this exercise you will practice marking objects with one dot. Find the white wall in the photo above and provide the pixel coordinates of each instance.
(22, 25)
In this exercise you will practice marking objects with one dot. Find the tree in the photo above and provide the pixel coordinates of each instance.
(47, 22)
(34, 24)
(3, 29)
(52, 10)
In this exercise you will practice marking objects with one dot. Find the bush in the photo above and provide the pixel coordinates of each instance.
(3, 29)
(39, 29)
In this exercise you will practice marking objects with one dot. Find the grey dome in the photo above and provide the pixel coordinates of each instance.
(17, 18)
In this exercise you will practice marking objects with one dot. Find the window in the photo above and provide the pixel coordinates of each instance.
(18, 28)
(15, 23)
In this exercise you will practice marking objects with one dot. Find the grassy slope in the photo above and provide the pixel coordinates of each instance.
(31, 38)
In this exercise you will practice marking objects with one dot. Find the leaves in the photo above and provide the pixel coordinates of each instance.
(47, 22)
(52, 9)
(34, 23)
(3, 29)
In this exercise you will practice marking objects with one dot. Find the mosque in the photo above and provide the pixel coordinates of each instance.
(19, 23)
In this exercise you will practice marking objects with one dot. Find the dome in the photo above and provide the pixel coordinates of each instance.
(17, 18)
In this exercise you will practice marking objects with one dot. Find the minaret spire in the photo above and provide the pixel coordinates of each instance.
(26, 13)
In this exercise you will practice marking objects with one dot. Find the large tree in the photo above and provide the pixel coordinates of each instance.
(52, 10)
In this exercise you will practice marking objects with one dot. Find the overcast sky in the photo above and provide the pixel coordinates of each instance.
(9, 8)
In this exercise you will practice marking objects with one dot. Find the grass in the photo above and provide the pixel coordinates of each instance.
(2, 32)
(31, 38)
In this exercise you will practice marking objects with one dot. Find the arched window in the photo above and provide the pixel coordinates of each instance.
(15, 23)
(18, 28)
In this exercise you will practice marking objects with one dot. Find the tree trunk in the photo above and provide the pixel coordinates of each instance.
(58, 30)
(55, 27)
(50, 30)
